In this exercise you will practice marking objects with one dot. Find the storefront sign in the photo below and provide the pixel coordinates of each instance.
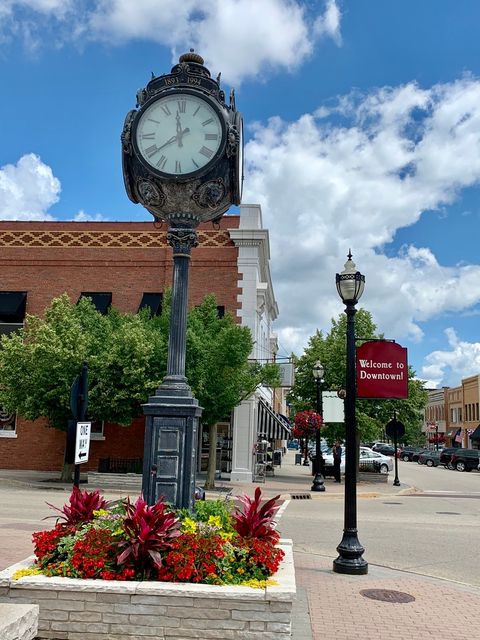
(382, 370)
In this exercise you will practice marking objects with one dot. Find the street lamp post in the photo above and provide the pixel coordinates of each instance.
(318, 483)
(350, 285)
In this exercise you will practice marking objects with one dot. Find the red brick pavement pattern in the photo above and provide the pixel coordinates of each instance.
(338, 611)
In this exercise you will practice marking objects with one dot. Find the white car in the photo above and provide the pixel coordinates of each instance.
(366, 455)
(328, 457)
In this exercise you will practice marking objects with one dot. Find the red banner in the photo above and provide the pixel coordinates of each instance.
(382, 370)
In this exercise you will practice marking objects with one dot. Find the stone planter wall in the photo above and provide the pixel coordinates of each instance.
(72, 609)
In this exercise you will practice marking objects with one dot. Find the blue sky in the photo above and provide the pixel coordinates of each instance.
(362, 126)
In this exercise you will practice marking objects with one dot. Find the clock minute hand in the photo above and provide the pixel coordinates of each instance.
(165, 144)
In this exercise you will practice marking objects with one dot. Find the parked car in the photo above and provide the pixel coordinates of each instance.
(430, 458)
(408, 451)
(328, 459)
(465, 459)
(368, 455)
(384, 449)
(446, 455)
(417, 454)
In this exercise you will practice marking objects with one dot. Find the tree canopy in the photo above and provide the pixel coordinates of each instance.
(372, 415)
(219, 370)
(127, 359)
(124, 352)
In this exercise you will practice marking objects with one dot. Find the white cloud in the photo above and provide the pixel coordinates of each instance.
(449, 367)
(27, 189)
(325, 187)
(329, 22)
(82, 216)
(240, 38)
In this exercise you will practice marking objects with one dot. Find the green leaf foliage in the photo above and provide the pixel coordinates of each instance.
(125, 354)
(217, 366)
(372, 415)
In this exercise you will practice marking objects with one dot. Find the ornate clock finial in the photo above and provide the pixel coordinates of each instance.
(191, 56)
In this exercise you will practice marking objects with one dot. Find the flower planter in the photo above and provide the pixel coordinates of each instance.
(74, 609)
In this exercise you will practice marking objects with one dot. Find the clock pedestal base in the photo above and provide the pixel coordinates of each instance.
(170, 450)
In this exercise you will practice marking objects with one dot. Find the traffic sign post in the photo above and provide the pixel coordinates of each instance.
(395, 429)
(82, 442)
(78, 428)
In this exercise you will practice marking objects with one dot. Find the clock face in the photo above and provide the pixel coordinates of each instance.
(179, 134)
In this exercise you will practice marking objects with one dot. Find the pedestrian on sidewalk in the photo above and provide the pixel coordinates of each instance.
(337, 459)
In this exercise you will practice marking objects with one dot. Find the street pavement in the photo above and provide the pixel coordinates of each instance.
(333, 606)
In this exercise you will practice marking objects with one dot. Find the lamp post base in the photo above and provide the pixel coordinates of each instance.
(350, 559)
(318, 483)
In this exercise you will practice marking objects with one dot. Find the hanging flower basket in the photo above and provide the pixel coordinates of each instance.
(306, 424)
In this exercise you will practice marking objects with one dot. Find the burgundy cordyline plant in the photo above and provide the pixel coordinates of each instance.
(256, 520)
(81, 506)
(150, 530)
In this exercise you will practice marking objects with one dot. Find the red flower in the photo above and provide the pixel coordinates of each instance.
(306, 424)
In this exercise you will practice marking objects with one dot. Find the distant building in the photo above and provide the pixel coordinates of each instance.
(454, 412)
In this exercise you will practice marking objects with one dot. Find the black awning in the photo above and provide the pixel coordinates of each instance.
(12, 306)
(476, 434)
(101, 301)
(270, 424)
(152, 301)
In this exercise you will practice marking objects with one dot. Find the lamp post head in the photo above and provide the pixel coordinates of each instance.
(318, 371)
(350, 283)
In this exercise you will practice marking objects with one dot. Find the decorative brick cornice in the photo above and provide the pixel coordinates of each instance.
(104, 239)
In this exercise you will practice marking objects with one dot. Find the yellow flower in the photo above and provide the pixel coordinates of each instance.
(259, 584)
(30, 571)
(100, 512)
(226, 536)
(189, 525)
(215, 521)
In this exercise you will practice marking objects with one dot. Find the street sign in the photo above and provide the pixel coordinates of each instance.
(382, 370)
(82, 442)
(395, 429)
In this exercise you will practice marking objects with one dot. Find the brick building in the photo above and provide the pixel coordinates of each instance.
(127, 264)
(454, 412)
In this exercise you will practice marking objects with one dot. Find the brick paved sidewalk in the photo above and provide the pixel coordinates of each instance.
(338, 611)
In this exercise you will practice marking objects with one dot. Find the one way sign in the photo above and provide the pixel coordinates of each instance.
(82, 442)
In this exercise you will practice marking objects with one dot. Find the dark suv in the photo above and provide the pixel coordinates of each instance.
(446, 455)
(465, 459)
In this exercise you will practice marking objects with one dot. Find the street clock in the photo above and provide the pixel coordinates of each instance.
(182, 148)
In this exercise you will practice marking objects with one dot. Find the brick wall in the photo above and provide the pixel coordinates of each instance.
(47, 259)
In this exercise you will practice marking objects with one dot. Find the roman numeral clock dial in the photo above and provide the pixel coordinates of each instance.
(179, 134)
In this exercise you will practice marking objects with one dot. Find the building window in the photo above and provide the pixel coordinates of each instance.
(96, 430)
(101, 301)
(12, 310)
(8, 424)
(221, 311)
(152, 301)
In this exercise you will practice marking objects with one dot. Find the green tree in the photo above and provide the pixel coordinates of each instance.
(127, 356)
(38, 364)
(372, 415)
(218, 369)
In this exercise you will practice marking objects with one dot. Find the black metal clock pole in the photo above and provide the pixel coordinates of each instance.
(182, 160)
(170, 448)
